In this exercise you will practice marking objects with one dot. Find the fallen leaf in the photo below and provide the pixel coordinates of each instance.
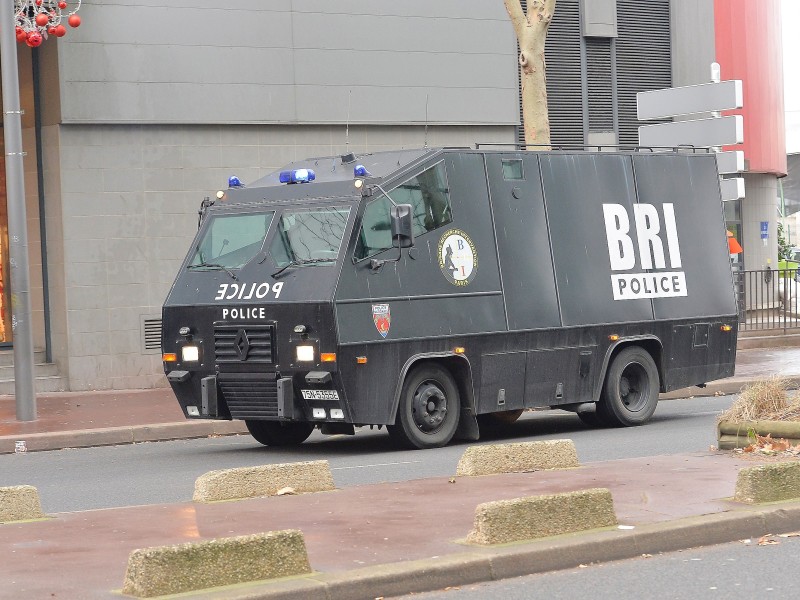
(647, 556)
(452, 480)
(287, 491)
(788, 535)
(766, 540)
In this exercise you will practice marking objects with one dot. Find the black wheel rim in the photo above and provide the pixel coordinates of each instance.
(634, 387)
(429, 407)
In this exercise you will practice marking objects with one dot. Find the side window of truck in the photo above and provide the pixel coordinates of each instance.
(427, 193)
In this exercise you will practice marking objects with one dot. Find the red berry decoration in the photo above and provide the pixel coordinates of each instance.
(38, 2)
(34, 39)
(62, 5)
(51, 31)
(74, 21)
(42, 19)
(21, 35)
(60, 31)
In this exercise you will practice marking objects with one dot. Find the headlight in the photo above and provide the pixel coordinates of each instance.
(305, 354)
(190, 353)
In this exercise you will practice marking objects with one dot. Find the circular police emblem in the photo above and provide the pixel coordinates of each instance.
(458, 257)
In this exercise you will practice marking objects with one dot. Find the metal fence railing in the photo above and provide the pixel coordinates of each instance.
(768, 299)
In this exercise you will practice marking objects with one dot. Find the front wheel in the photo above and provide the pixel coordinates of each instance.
(429, 409)
(275, 433)
(630, 391)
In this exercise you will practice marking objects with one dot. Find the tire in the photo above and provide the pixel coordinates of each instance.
(630, 391)
(496, 423)
(429, 409)
(275, 433)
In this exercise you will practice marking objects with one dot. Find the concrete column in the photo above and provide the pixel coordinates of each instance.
(760, 204)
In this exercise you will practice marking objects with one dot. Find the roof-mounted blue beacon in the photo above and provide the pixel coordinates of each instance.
(361, 171)
(297, 176)
(234, 182)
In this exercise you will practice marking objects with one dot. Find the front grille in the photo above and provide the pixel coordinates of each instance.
(244, 343)
(250, 395)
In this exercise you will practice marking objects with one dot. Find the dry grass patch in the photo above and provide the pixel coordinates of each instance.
(764, 400)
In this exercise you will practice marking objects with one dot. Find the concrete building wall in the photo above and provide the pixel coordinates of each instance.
(290, 61)
(693, 48)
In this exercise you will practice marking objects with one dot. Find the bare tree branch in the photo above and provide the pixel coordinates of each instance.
(518, 19)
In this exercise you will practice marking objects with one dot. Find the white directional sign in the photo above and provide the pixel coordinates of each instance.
(732, 189)
(730, 162)
(701, 133)
(672, 102)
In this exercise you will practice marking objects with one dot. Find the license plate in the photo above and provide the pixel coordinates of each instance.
(320, 394)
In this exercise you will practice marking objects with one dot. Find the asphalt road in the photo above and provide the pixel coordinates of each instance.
(162, 472)
(735, 570)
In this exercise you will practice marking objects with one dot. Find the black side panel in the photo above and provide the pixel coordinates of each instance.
(690, 183)
(575, 189)
(526, 266)
(559, 376)
(502, 381)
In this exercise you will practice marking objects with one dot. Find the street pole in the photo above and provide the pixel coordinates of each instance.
(17, 220)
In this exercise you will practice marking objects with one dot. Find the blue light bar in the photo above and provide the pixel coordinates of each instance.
(297, 176)
(234, 182)
(361, 171)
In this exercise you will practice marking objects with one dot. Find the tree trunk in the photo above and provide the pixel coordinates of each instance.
(531, 30)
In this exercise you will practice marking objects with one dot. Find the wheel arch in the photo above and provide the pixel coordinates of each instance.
(650, 343)
(457, 365)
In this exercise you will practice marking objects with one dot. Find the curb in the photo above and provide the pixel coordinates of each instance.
(513, 560)
(723, 387)
(112, 436)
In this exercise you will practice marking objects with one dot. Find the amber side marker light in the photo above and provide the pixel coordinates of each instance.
(459, 350)
(613, 337)
(361, 360)
(726, 327)
(328, 357)
(169, 357)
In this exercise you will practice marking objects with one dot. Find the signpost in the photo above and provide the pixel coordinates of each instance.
(700, 133)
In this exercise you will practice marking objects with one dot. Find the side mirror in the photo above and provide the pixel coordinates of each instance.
(402, 226)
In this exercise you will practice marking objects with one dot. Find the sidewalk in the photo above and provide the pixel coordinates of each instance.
(376, 540)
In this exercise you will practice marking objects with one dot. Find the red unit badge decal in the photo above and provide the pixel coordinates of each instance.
(382, 318)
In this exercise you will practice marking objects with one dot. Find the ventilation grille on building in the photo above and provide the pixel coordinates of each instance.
(563, 56)
(151, 334)
(643, 58)
(599, 83)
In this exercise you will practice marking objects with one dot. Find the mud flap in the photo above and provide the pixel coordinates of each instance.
(467, 426)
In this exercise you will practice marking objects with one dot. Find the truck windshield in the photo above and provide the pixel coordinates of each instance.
(309, 236)
(231, 241)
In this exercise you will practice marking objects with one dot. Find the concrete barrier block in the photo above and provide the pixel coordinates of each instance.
(200, 565)
(768, 483)
(536, 517)
(521, 457)
(266, 480)
(20, 503)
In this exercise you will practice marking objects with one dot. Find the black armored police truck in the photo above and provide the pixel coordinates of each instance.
(439, 291)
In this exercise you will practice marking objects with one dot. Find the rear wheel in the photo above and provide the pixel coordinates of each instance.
(275, 433)
(630, 391)
(429, 409)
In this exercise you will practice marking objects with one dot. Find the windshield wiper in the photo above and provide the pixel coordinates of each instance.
(302, 261)
(214, 267)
